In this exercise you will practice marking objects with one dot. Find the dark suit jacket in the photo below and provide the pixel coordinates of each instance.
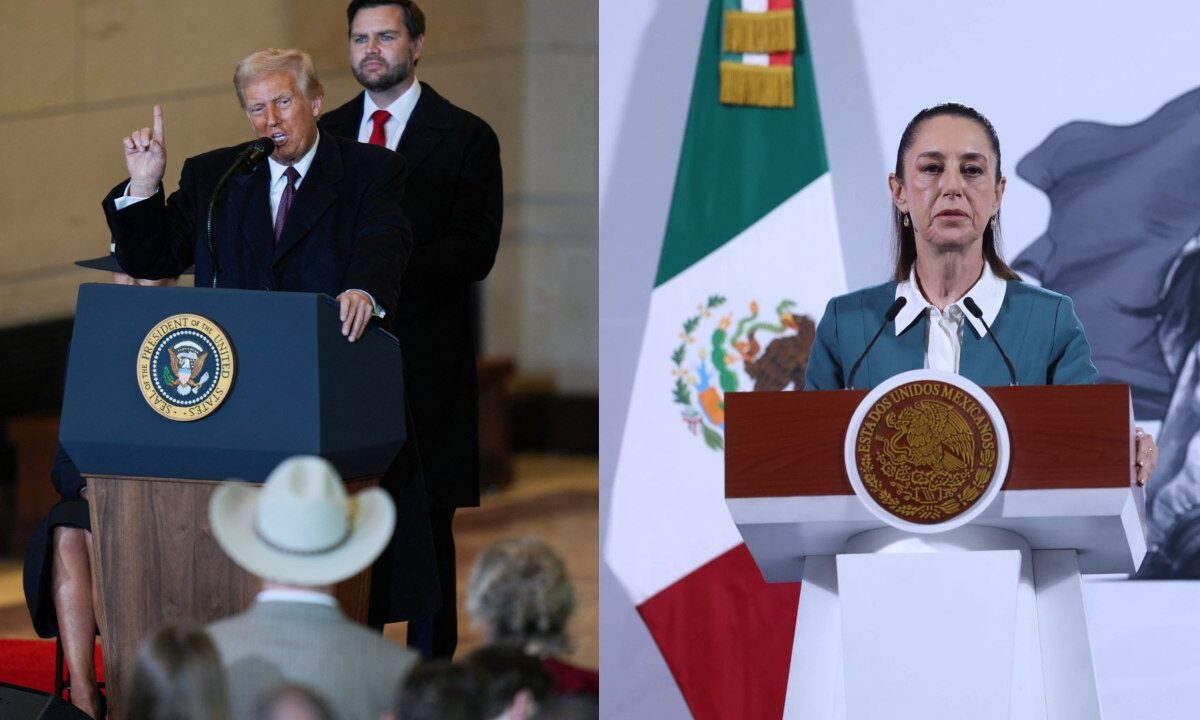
(455, 200)
(345, 229)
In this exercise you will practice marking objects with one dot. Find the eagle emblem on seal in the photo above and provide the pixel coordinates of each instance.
(184, 367)
(930, 435)
(925, 449)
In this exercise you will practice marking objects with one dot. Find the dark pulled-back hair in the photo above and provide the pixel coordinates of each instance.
(505, 671)
(439, 690)
(414, 19)
(905, 239)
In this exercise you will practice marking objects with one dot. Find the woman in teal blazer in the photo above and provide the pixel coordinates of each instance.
(1037, 328)
(946, 192)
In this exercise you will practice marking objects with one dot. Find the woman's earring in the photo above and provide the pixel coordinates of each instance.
(905, 220)
(993, 223)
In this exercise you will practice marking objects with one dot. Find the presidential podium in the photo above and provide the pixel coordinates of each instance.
(171, 391)
(982, 620)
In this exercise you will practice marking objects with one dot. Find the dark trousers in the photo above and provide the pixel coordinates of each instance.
(436, 634)
(405, 577)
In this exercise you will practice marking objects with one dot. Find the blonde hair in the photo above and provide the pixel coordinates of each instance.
(520, 593)
(297, 62)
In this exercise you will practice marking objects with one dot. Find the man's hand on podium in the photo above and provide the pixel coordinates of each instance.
(356, 312)
(146, 157)
(1146, 455)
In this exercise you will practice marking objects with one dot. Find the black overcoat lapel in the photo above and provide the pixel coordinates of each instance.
(429, 121)
(249, 198)
(316, 193)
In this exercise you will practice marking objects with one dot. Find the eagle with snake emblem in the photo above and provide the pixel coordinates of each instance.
(934, 441)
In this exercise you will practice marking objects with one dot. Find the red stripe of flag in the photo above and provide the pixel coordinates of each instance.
(727, 635)
(780, 58)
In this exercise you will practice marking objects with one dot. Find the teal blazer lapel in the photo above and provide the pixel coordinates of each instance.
(894, 354)
(979, 360)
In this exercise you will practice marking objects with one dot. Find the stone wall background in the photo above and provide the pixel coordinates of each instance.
(77, 75)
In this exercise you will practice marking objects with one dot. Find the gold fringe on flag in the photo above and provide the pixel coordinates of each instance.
(769, 86)
(760, 32)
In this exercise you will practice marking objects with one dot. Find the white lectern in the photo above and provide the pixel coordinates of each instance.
(976, 616)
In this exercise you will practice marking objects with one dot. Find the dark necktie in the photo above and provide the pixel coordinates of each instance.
(285, 202)
(378, 136)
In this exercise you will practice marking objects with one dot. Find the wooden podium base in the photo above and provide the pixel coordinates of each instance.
(156, 561)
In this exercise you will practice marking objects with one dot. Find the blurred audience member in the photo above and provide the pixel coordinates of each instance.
(514, 684)
(520, 595)
(568, 707)
(177, 675)
(292, 702)
(301, 535)
(437, 690)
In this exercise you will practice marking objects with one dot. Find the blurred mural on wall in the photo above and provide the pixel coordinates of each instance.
(1123, 241)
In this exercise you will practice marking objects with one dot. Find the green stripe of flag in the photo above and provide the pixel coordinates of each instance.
(738, 163)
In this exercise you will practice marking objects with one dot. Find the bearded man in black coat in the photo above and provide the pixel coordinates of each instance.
(454, 199)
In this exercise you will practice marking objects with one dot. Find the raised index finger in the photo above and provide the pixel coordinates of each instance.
(158, 124)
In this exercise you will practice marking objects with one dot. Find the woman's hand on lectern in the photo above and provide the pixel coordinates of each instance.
(1145, 456)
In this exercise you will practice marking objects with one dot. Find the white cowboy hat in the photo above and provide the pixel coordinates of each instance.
(300, 527)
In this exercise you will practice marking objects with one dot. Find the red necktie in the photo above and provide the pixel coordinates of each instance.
(378, 136)
(285, 202)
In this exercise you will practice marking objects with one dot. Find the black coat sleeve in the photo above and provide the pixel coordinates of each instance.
(155, 240)
(383, 238)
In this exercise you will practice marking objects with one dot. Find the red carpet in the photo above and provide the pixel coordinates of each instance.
(30, 663)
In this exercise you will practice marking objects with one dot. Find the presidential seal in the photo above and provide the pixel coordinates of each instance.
(185, 367)
(927, 450)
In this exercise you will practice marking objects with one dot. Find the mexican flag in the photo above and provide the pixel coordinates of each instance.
(750, 257)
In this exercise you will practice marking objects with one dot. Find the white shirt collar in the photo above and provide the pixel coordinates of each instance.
(401, 108)
(301, 165)
(293, 595)
(988, 292)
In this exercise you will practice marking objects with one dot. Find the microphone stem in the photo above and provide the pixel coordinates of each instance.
(245, 159)
(209, 230)
(854, 370)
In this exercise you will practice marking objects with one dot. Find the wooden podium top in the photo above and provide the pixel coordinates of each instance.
(789, 444)
(1069, 483)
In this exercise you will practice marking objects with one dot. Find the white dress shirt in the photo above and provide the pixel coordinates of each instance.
(943, 339)
(401, 110)
(279, 180)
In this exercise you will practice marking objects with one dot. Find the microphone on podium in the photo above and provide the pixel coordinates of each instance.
(973, 308)
(253, 153)
(888, 317)
(245, 161)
